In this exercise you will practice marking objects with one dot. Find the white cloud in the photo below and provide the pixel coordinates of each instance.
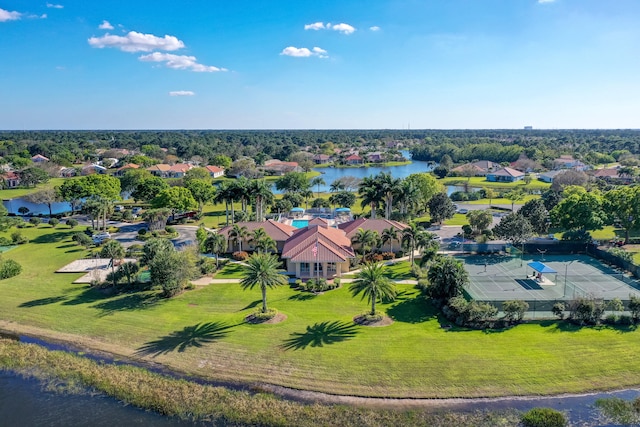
(303, 52)
(343, 28)
(55, 6)
(374, 28)
(181, 93)
(5, 15)
(105, 25)
(180, 62)
(315, 26)
(137, 42)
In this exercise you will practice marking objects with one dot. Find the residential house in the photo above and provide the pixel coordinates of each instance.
(505, 175)
(179, 169)
(123, 169)
(354, 159)
(378, 225)
(39, 158)
(479, 168)
(161, 170)
(278, 231)
(67, 172)
(613, 175)
(93, 169)
(568, 162)
(318, 251)
(215, 171)
(375, 157)
(549, 176)
(321, 159)
(278, 167)
(10, 179)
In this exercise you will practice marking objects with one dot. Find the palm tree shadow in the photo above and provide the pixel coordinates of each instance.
(252, 305)
(191, 336)
(320, 334)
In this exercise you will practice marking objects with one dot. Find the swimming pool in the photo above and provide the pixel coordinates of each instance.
(300, 223)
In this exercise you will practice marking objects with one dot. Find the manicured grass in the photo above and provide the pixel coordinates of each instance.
(318, 346)
(501, 201)
(230, 271)
(458, 219)
(20, 192)
(479, 182)
(399, 271)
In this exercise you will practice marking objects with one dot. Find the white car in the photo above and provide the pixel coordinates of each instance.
(100, 237)
(463, 211)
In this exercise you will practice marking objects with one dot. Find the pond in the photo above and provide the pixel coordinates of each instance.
(12, 206)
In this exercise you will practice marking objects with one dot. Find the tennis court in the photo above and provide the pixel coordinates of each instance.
(506, 277)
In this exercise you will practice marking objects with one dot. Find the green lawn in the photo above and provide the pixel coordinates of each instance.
(20, 192)
(318, 346)
(458, 219)
(480, 181)
(230, 271)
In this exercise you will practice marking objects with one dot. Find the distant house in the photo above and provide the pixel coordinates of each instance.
(321, 159)
(318, 251)
(505, 175)
(378, 225)
(39, 158)
(568, 162)
(93, 169)
(375, 157)
(278, 231)
(354, 159)
(179, 169)
(161, 170)
(215, 171)
(10, 179)
(278, 167)
(612, 175)
(549, 176)
(123, 169)
(479, 168)
(67, 172)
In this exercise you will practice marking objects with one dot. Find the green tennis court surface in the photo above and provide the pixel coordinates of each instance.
(506, 277)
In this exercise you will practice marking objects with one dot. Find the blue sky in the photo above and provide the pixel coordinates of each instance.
(308, 64)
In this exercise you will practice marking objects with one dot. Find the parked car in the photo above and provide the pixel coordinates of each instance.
(136, 210)
(118, 208)
(463, 211)
(101, 237)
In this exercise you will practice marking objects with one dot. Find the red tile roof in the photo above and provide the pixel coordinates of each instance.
(332, 245)
(129, 166)
(214, 169)
(378, 225)
(278, 231)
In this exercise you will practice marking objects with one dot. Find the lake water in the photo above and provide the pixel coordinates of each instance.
(12, 206)
(24, 403)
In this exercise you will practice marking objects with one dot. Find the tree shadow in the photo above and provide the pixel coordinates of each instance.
(128, 302)
(412, 310)
(74, 250)
(302, 296)
(43, 301)
(90, 295)
(320, 334)
(191, 336)
(56, 237)
(68, 245)
(252, 305)
(560, 326)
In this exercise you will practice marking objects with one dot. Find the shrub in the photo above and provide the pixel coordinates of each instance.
(558, 310)
(240, 256)
(190, 286)
(388, 255)
(53, 222)
(625, 320)
(18, 238)
(621, 253)
(169, 229)
(543, 417)
(298, 283)
(34, 221)
(337, 282)
(259, 316)
(514, 309)
(611, 319)
(82, 239)
(142, 232)
(71, 223)
(5, 242)
(9, 268)
(207, 265)
(587, 311)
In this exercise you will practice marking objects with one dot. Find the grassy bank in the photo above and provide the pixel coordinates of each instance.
(192, 401)
(480, 181)
(318, 346)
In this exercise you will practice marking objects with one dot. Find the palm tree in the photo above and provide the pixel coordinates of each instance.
(514, 196)
(262, 241)
(241, 188)
(336, 186)
(490, 194)
(215, 243)
(413, 237)
(262, 270)
(317, 181)
(112, 250)
(366, 239)
(389, 187)
(408, 197)
(389, 235)
(262, 194)
(129, 270)
(307, 194)
(237, 234)
(226, 193)
(371, 195)
(373, 284)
